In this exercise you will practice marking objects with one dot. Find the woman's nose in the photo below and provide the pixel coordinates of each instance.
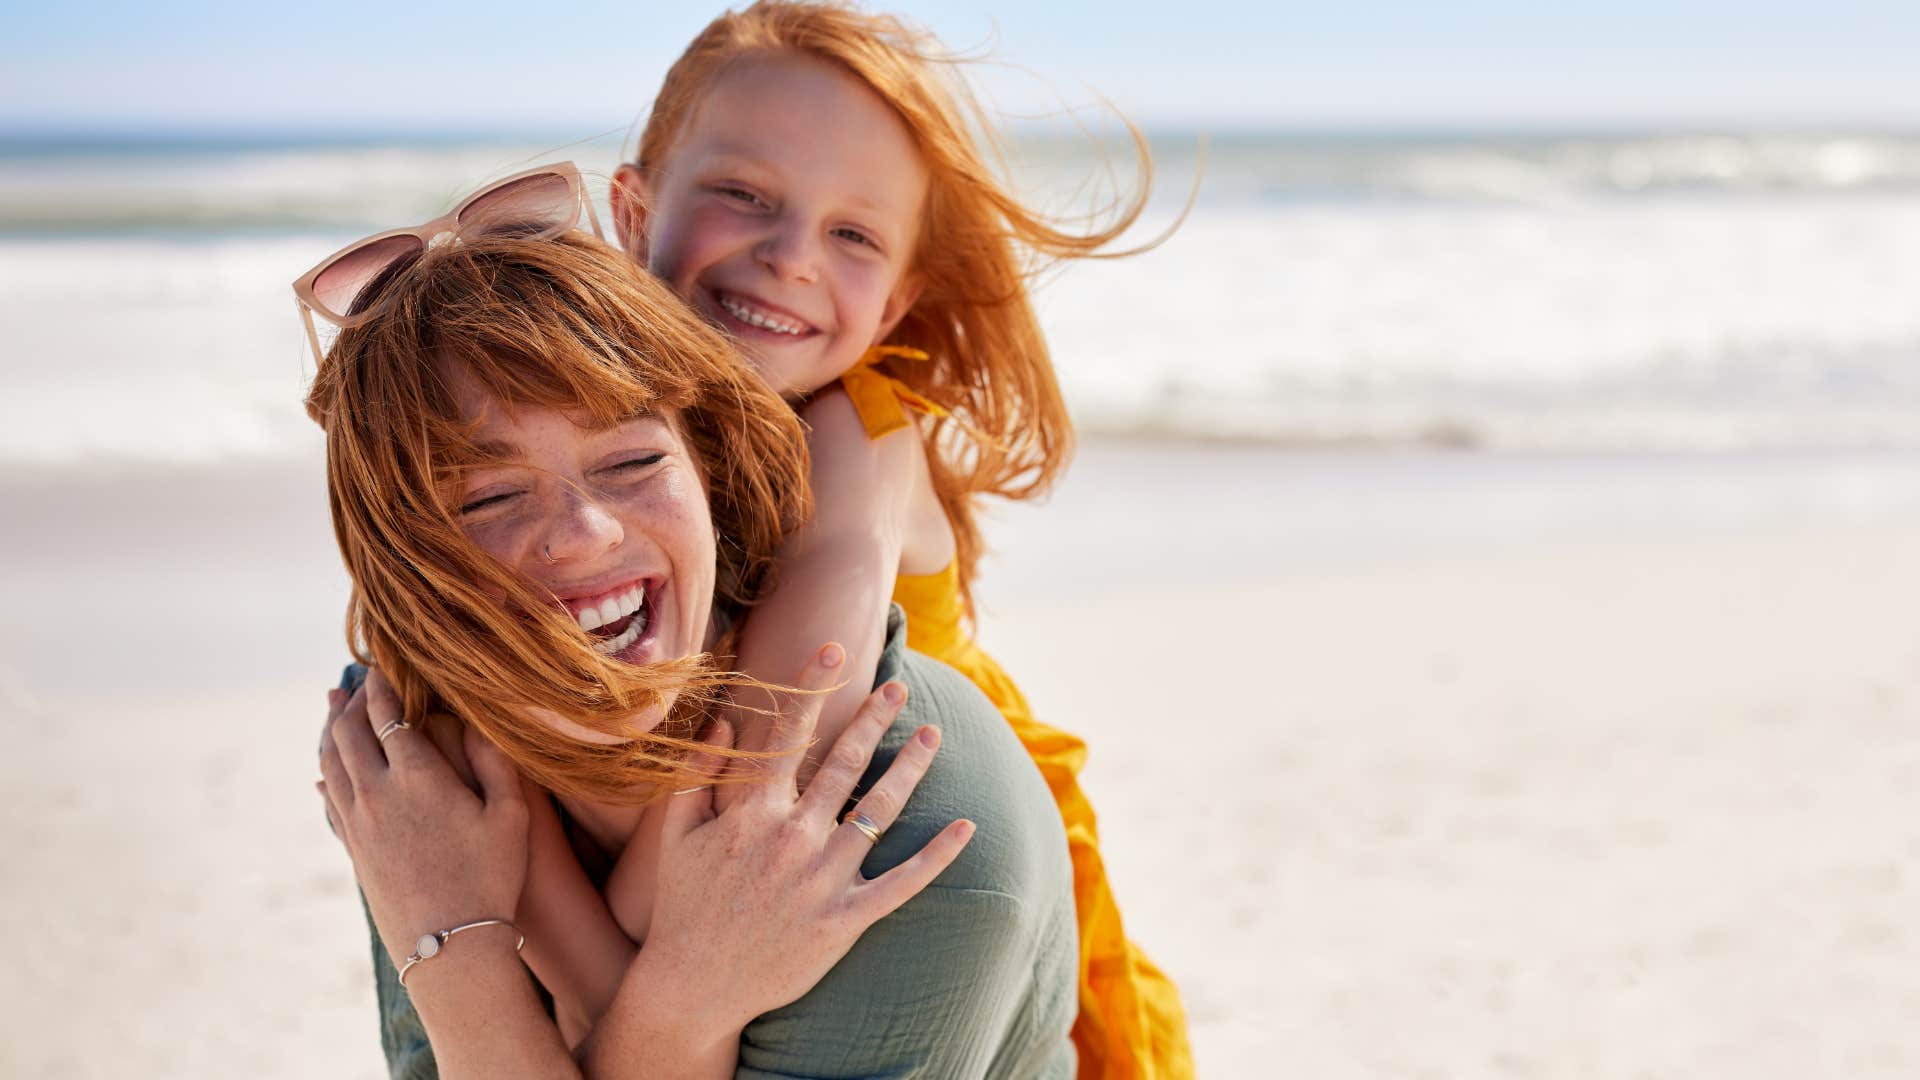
(790, 253)
(584, 530)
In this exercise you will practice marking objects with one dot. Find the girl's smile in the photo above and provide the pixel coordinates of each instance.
(787, 213)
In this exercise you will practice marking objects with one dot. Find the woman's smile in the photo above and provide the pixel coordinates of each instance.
(611, 521)
(622, 617)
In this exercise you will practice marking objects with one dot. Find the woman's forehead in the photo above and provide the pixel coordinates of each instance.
(496, 419)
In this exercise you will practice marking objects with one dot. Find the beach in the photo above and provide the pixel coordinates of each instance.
(1485, 586)
(1409, 763)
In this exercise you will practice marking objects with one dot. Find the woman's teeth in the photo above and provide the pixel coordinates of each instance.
(755, 318)
(612, 609)
(625, 638)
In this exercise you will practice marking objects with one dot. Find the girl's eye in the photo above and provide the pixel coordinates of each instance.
(856, 236)
(741, 195)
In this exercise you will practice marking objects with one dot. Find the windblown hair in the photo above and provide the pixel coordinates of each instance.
(571, 324)
(979, 247)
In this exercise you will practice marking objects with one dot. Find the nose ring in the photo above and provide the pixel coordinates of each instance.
(547, 550)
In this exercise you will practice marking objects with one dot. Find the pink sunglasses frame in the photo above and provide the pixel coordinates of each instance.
(446, 225)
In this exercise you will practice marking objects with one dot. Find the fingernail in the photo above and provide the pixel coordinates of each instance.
(966, 830)
(334, 695)
(831, 656)
(894, 692)
(929, 736)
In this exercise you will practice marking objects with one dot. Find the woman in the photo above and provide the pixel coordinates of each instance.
(523, 429)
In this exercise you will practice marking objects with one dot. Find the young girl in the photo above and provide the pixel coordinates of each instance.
(812, 180)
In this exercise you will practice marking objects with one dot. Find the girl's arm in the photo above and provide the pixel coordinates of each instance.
(834, 576)
(573, 944)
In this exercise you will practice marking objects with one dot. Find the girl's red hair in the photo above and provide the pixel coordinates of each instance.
(979, 246)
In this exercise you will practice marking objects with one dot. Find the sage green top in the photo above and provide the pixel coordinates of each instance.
(974, 977)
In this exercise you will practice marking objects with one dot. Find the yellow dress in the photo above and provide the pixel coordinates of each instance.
(1131, 1024)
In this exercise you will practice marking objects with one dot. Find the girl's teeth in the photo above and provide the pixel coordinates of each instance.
(753, 318)
(609, 610)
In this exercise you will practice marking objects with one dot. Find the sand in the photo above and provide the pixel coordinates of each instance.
(1408, 765)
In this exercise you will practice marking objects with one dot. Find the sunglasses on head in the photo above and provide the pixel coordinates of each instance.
(536, 204)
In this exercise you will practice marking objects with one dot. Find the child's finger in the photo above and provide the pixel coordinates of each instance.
(692, 807)
(834, 781)
(880, 897)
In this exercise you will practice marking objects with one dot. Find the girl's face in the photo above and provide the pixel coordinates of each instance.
(787, 214)
(612, 521)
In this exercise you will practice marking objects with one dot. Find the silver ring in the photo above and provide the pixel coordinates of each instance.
(547, 550)
(865, 824)
(393, 726)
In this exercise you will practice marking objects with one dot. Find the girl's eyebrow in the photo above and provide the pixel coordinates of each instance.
(727, 157)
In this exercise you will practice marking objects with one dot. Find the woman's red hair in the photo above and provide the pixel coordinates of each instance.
(569, 324)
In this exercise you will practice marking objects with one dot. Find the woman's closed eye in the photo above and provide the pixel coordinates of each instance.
(486, 501)
(637, 463)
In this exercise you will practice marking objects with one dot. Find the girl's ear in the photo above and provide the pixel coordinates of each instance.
(628, 198)
(899, 302)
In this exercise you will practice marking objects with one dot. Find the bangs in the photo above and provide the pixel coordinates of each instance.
(561, 324)
(572, 324)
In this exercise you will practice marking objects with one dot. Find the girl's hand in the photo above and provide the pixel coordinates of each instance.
(429, 853)
(756, 903)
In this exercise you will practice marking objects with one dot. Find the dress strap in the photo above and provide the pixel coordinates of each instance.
(881, 400)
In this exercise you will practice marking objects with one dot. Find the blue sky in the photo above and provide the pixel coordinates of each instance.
(356, 65)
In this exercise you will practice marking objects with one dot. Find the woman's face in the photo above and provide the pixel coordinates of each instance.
(612, 521)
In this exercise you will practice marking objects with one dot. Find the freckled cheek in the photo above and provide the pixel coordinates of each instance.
(695, 241)
(505, 541)
(679, 522)
(864, 288)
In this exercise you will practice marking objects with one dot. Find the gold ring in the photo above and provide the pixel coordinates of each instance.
(397, 725)
(865, 824)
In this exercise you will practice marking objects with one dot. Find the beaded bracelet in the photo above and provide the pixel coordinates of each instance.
(428, 946)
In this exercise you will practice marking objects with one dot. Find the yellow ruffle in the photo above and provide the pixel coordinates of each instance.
(881, 400)
(1131, 1024)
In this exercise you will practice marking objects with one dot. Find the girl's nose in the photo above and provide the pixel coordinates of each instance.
(790, 253)
(583, 531)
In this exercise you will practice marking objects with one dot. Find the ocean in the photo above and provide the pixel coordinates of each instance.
(1568, 292)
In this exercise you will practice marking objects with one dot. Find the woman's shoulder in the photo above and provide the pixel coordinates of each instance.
(982, 774)
(975, 976)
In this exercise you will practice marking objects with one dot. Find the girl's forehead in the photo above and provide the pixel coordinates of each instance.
(790, 109)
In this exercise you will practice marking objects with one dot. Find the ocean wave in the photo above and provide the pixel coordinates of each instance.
(55, 187)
